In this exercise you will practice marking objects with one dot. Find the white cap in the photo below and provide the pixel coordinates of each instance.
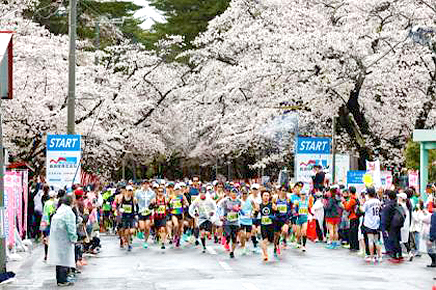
(52, 193)
(177, 187)
(182, 184)
(129, 187)
(209, 187)
(255, 186)
(402, 195)
(155, 185)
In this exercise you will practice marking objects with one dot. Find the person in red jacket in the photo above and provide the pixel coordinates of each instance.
(350, 204)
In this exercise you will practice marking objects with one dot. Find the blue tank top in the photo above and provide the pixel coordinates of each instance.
(245, 217)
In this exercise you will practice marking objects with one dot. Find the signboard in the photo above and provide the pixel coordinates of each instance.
(63, 160)
(355, 178)
(309, 145)
(342, 166)
(310, 152)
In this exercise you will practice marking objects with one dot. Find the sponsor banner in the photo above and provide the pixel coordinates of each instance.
(386, 179)
(373, 168)
(63, 160)
(414, 179)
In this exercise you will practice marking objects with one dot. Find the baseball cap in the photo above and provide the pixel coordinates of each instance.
(255, 186)
(177, 187)
(402, 195)
(129, 187)
(52, 193)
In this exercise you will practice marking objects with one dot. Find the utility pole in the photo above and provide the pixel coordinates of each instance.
(333, 150)
(97, 38)
(72, 68)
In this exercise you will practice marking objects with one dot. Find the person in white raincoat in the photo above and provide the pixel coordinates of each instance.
(405, 230)
(63, 235)
(318, 212)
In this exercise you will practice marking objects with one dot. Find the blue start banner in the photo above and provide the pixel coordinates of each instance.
(312, 145)
(63, 143)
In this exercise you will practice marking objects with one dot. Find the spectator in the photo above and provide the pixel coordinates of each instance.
(63, 236)
(387, 213)
(416, 228)
(350, 205)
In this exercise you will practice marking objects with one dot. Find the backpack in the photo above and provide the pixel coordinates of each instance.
(399, 217)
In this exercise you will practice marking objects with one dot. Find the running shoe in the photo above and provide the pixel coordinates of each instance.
(346, 246)
(303, 249)
(368, 259)
(84, 263)
(227, 247)
(330, 246)
(278, 251)
(129, 248)
(204, 250)
(145, 245)
(65, 284)
(265, 258)
(275, 253)
(223, 241)
(163, 247)
(361, 253)
(232, 255)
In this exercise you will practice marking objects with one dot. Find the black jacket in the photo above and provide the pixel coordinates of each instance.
(433, 227)
(387, 213)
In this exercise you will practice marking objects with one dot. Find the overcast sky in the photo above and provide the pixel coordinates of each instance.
(149, 13)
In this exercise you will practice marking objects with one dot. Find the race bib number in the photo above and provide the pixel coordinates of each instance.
(282, 208)
(302, 210)
(266, 220)
(232, 216)
(177, 204)
(146, 212)
(127, 208)
(161, 209)
(246, 215)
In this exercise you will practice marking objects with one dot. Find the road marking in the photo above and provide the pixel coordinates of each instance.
(250, 286)
(211, 250)
(225, 266)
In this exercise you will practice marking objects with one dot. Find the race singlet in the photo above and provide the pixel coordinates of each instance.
(145, 211)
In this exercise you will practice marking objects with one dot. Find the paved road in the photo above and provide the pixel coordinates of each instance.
(188, 268)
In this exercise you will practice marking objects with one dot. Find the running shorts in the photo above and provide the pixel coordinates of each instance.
(127, 223)
(333, 221)
(267, 233)
(246, 228)
(145, 217)
(178, 216)
(301, 219)
(160, 223)
(206, 226)
(278, 225)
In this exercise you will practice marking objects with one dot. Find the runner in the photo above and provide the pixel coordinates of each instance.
(204, 209)
(281, 221)
(160, 206)
(246, 219)
(127, 208)
(177, 204)
(303, 207)
(144, 195)
(231, 208)
(267, 209)
(257, 199)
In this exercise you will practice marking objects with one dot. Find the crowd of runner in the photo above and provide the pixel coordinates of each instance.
(252, 217)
